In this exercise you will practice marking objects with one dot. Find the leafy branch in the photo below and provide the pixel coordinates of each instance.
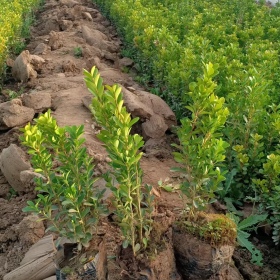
(65, 188)
(201, 151)
(133, 206)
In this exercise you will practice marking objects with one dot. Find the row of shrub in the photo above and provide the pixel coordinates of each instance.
(12, 18)
(171, 39)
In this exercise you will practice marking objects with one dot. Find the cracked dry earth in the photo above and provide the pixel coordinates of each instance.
(68, 37)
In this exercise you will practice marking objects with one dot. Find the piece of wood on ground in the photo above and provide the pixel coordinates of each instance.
(38, 262)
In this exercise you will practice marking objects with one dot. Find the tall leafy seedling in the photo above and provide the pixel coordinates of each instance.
(132, 202)
(201, 151)
(66, 196)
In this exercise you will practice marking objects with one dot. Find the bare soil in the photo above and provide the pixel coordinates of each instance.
(61, 76)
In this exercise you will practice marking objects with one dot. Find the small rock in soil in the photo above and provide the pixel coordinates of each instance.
(70, 66)
(55, 40)
(135, 106)
(40, 49)
(51, 25)
(155, 127)
(10, 62)
(91, 51)
(22, 69)
(37, 62)
(154, 113)
(93, 37)
(69, 3)
(42, 247)
(113, 76)
(158, 105)
(95, 61)
(30, 230)
(158, 148)
(126, 62)
(4, 190)
(87, 16)
(12, 162)
(39, 101)
(87, 101)
(67, 14)
(27, 178)
(38, 262)
(13, 114)
(65, 24)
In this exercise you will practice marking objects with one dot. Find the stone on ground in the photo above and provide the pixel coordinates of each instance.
(13, 113)
(158, 105)
(40, 49)
(12, 162)
(93, 37)
(69, 3)
(55, 40)
(155, 115)
(37, 62)
(22, 69)
(39, 101)
(30, 230)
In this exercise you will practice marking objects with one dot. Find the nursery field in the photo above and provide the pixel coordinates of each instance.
(143, 132)
(173, 40)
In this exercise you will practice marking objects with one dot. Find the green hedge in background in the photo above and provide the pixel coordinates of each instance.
(12, 19)
(170, 40)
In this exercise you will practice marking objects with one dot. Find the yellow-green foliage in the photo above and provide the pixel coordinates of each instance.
(11, 19)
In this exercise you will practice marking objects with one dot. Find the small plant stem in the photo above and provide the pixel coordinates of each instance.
(132, 227)
(139, 207)
(81, 219)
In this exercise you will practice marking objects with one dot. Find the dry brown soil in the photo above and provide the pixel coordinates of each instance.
(61, 76)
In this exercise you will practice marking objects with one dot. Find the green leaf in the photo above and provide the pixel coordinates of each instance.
(92, 221)
(229, 179)
(30, 209)
(167, 188)
(88, 204)
(66, 202)
(145, 242)
(51, 228)
(79, 231)
(251, 220)
(30, 203)
(85, 212)
(137, 247)
(125, 243)
(242, 239)
(178, 169)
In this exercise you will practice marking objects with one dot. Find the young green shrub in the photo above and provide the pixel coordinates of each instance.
(269, 189)
(133, 205)
(201, 151)
(78, 52)
(66, 196)
(14, 94)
